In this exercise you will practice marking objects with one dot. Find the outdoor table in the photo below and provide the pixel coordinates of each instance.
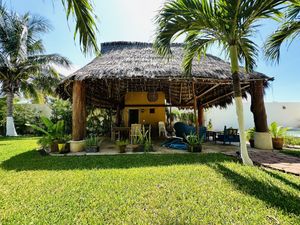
(213, 134)
(116, 132)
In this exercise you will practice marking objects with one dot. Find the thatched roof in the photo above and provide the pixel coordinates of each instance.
(134, 66)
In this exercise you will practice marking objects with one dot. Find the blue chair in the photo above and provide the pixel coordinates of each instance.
(182, 130)
(230, 135)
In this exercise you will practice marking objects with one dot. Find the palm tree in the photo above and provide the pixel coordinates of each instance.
(86, 25)
(228, 23)
(24, 69)
(289, 30)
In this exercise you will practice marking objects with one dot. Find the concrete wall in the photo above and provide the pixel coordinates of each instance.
(284, 113)
(145, 117)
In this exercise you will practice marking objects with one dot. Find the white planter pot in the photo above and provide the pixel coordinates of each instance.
(77, 146)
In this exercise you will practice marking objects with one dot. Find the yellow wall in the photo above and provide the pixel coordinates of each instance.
(140, 98)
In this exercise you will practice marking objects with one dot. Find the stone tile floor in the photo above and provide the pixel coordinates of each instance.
(274, 160)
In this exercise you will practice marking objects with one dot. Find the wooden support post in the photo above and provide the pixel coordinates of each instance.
(258, 106)
(78, 111)
(118, 116)
(200, 115)
(195, 110)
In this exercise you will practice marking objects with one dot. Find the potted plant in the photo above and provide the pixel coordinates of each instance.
(52, 133)
(209, 125)
(61, 143)
(250, 136)
(122, 145)
(140, 140)
(194, 143)
(278, 133)
(92, 144)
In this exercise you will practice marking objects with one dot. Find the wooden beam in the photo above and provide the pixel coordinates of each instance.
(195, 109)
(223, 96)
(209, 90)
(200, 115)
(158, 105)
(180, 93)
(78, 111)
(205, 92)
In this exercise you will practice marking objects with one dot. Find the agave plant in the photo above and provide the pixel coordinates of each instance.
(277, 131)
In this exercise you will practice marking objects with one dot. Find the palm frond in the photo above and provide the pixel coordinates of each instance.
(49, 59)
(288, 31)
(86, 25)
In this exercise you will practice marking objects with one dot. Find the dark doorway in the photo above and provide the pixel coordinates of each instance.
(133, 116)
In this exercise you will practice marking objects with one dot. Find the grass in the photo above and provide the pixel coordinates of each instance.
(293, 152)
(140, 189)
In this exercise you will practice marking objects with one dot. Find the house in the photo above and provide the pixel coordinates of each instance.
(132, 79)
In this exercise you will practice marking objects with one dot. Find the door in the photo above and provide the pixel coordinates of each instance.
(133, 116)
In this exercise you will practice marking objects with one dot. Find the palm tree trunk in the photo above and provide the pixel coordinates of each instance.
(10, 126)
(239, 104)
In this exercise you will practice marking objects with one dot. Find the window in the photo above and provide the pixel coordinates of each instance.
(152, 111)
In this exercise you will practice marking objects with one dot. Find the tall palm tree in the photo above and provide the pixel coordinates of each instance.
(24, 69)
(86, 25)
(228, 23)
(289, 30)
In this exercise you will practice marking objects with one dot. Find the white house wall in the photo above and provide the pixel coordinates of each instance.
(284, 113)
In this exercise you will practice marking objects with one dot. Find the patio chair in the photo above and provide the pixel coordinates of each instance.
(182, 130)
(230, 135)
(162, 132)
(135, 131)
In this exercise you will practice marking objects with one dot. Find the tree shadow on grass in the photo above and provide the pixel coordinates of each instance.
(273, 195)
(32, 160)
(283, 179)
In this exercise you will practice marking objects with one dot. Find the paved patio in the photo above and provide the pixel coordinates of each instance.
(269, 159)
(274, 160)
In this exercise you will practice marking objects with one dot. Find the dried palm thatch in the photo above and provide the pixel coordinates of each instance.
(134, 66)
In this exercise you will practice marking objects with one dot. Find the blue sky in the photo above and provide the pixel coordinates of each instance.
(133, 20)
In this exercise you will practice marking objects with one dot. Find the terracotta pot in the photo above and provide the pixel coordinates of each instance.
(122, 148)
(277, 143)
(195, 148)
(251, 141)
(54, 147)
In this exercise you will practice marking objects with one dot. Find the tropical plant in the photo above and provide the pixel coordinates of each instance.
(86, 25)
(93, 141)
(99, 121)
(277, 131)
(122, 142)
(61, 110)
(289, 30)
(194, 139)
(229, 24)
(24, 69)
(250, 134)
(53, 132)
(209, 125)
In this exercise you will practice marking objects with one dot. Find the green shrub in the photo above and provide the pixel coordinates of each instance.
(23, 114)
(98, 122)
(290, 140)
(62, 110)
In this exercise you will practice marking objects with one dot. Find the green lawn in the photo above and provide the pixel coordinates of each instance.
(140, 189)
(294, 152)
